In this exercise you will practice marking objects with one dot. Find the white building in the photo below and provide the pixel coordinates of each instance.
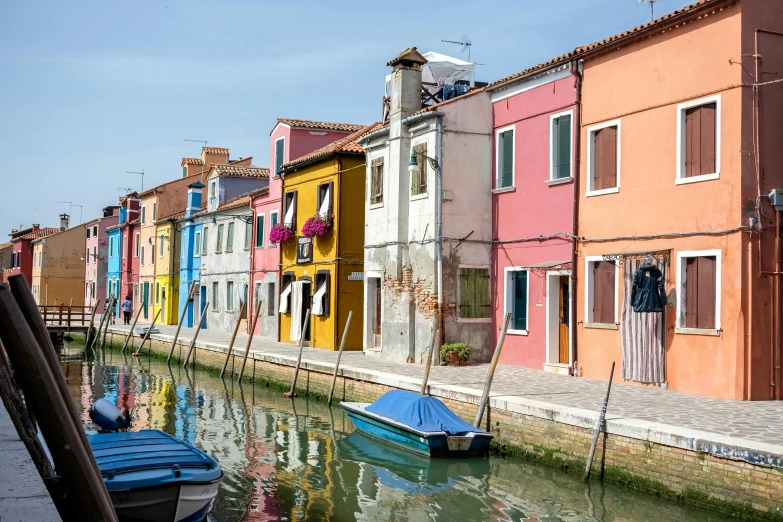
(409, 273)
(226, 242)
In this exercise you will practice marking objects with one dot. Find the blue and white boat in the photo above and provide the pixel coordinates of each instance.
(418, 423)
(155, 477)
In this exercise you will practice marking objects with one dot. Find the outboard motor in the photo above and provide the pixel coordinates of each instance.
(108, 416)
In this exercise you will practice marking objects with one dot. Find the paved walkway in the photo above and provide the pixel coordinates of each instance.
(23, 496)
(653, 414)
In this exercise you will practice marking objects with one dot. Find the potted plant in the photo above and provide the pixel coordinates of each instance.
(280, 233)
(317, 225)
(456, 354)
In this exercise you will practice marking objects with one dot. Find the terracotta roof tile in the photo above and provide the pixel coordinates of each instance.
(612, 41)
(6, 245)
(320, 125)
(234, 171)
(411, 54)
(38, 234)
(259, 192)
(154, 189)
(215, 150)
(347, 144)
(242, 201)
(192, 161)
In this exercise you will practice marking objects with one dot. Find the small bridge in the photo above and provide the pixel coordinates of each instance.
(60, 319)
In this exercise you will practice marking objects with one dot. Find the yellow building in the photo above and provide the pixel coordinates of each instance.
(165, 293)
(58, 266)
(324, 274)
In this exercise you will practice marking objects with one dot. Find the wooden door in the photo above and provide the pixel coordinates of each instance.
(564, 321)
(377, 318)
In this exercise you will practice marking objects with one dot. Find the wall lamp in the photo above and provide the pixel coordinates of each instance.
(413, 166)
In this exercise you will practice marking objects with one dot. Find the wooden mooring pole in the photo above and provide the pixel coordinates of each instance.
(242, 310)
(100, 326)
(33, 357)
(305, 324)
(339, 356)
(109, 312)
(147, 333)
(435, 339)
(249, 340)
(491, 373)
(195, 335)
(600, 426)
(133, 326)
(181, 320)
(92, 322)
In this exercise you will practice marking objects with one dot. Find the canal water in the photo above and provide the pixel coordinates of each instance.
(300, 460)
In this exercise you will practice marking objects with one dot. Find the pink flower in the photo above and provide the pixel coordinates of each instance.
(280, 233)
(317, 226)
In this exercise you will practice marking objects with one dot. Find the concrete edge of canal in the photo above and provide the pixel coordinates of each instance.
(725, 474)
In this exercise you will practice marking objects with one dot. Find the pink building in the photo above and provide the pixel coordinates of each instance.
(95, 256)
(290, 139)
(535, 114)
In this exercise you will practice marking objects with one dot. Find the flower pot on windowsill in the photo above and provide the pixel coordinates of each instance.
(317, 226)
(280, 234)
(454, 359)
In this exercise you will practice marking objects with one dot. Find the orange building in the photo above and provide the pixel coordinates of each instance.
(678, 157)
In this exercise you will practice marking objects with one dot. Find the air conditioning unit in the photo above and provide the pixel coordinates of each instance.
(776, 198)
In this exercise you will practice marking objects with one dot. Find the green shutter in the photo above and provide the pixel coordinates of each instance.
(482, 293)
(279, 153)
(563, 147)
(519, 303)
(260, 231)
(508, 159)
(467, 284)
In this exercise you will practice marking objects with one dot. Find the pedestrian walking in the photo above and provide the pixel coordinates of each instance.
(127, 308)
(111, 312)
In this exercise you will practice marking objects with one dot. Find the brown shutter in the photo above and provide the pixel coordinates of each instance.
(419, 179)
(691, 293)
(293, 202)
(693, 142)
(597, 290)
(705, 315)
(605, 162)
(607, 307)
(328, 293)
(330, 186)
(708, 132)
(376, 181)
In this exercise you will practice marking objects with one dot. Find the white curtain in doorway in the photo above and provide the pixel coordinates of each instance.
(296, 311)
(284, 299)
(318, 300)
(644, 356)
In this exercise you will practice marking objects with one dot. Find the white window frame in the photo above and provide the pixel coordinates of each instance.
(274, 161)
(230, 296)
(461, 319)
(144, 214)
(552, 149)
(589, 291)
(160, 248)
(154, 211)
(141, 258)
(197, 243)
(277, 215)
(370, 160)
(416, 143)
(136, 245)
(498, 159)
(681, 256)
(507, 297)
(681, 179)
(591, 154)
(254, 240)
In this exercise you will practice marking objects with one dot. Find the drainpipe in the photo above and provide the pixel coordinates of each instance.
(749, 330)
(337, 188)
(439, 217)
(577, 72)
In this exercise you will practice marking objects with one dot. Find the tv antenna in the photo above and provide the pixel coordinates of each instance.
(139, 173)
(465, 44)
(651, 3)
(126, 190)
(202, 164)
(71, 204)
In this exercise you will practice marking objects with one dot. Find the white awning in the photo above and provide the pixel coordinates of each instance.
(318, 300)
(284, 299)
(324, 210)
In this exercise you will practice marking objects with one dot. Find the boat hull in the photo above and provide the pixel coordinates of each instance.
(177, 503)
(429, 444)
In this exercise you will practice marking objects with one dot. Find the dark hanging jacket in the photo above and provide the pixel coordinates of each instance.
(648, 293)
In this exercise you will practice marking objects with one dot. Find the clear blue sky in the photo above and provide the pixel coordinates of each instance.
(89, 90)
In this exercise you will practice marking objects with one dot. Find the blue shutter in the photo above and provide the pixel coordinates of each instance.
(260, 231)
(519, 303)
(279, 155)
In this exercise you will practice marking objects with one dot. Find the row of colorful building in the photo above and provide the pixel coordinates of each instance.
(541, 195)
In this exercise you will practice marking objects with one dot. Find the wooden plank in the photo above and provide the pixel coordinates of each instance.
(249, 340)
(234, 336)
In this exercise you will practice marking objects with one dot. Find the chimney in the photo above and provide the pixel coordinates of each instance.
(214, 156)
(194, 198)
(64, 218)
(405, 84)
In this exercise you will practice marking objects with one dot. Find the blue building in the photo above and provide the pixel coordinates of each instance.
(190, 256)
(114, 258)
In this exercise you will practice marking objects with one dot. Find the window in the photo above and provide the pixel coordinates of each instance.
(124, 244)
(474, 293)
(259, 231)
(219, 244)
(212, 189)
(141, 260)
(270, 299)
(279, 155)
(601, 295)
(88, 232)
(272, 222)
(197, 244)
(285, 295)
(184, 171)
(376, 182)
(94, 255)
(160, 245)
(111, 247)
(230, 237)
(143, 214)
(322, 296)
(698, 138)
(157, 293)
(248, 234)
(603, 158)
(230, 296)
(152, 254)
(290, 210)
(205, 242)
(504, 166)
(419, 178)
(698, 283)
(560, 146)
(154, 210)
(516, 299)
(324, 199)
(86, 258)
(136, 245)
(215, 306)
